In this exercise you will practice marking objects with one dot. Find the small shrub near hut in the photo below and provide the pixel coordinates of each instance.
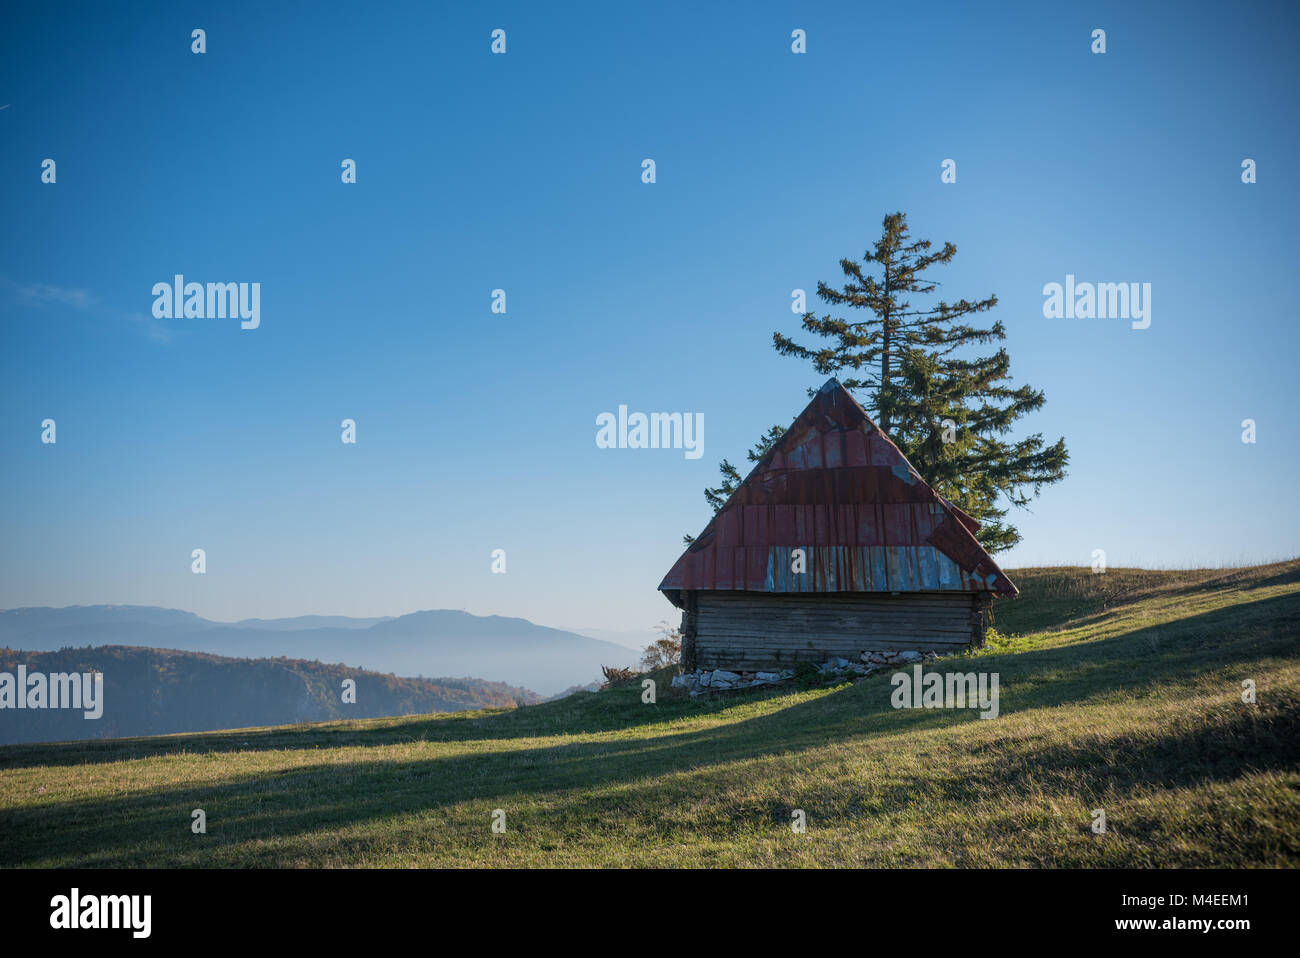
(806, 675)
(615, 676)
(660, 660)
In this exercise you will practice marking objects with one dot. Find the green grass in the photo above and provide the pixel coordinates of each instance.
(1119, 691)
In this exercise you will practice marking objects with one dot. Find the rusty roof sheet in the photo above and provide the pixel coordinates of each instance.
(837, 487)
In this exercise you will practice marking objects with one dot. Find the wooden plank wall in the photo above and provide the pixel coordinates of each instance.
(754, 630)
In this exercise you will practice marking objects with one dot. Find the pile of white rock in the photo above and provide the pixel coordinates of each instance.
(718, 680)
(879, 659)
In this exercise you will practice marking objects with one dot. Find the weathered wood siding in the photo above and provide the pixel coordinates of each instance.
(757, 630)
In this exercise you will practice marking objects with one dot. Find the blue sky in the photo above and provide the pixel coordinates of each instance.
(523, 172)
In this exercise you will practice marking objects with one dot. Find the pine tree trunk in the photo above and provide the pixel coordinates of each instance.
(884, 361)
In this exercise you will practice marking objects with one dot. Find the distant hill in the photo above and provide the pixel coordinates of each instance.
(438, 642)
(310, 622)
(15, 622)
(159, 691)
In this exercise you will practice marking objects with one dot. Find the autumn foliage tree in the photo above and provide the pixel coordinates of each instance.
(664, 651)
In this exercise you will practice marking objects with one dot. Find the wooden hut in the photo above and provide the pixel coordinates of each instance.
(833, 546)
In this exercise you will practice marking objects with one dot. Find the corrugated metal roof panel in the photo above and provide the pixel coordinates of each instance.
(837, 487)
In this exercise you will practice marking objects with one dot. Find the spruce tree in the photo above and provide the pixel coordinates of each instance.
(947, 410)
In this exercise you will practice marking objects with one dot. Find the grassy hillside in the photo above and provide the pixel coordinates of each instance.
(1118, 691)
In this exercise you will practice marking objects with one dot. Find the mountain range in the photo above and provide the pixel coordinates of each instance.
(436, 642)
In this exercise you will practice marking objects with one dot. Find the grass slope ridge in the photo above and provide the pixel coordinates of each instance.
(158, 691)
(1125, 696)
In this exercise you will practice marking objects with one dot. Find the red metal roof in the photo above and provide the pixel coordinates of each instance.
(837, 487)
